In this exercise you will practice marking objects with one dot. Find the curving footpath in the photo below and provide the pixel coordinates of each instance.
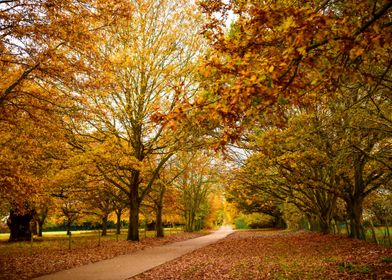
(126, 266)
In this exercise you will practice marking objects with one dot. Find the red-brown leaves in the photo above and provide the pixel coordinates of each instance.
(279, 255)
(53, 255)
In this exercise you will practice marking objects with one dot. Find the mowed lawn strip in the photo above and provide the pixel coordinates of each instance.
(52, 254)
(280, 255)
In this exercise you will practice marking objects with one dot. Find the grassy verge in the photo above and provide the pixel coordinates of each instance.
(50, 253)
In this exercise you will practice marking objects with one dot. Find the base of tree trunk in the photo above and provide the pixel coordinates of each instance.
(19, 225)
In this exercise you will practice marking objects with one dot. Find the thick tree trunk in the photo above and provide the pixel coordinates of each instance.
(279, 222)
(325, 221)
(134, 204)
(159, 223)
(354, 212)
(104, 225)
(19, 225)
(133, 227)
(325, 226)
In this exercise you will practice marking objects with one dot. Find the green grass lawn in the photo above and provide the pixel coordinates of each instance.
(89, 233)
(381, 234)
(59, 240)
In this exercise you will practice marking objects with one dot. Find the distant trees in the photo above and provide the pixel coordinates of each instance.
(194, 186)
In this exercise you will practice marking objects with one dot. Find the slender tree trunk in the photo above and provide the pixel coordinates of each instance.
(40, 216)
(69, 227)
(159, 224)
(118, 224)
(19, 225)
(40, 227)
(159, 212)
(104, 225)
(34, 227)
(312, 222)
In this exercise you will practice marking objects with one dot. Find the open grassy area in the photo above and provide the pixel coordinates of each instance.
(279, 255)
(59, 240)
(381, 234)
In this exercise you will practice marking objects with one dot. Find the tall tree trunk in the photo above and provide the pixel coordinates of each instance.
(279, 222)
(134, 204)
(159, 210)
(159, 223)
(40, 217)
(40, 227)
(354, 212)
(34, 227)
(69, 227)
(187, 215)
(325, 225)
(133, 227)
(325, 220)
(19, 225)
(104, 225)
(118, 224)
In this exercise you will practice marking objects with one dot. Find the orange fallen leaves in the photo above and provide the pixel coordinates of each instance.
(18, 264)
(280, 255)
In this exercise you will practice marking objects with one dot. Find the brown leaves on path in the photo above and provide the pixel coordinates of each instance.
(280, 255)
(45, 259)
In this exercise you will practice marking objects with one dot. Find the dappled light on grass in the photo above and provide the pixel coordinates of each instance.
(52, 255)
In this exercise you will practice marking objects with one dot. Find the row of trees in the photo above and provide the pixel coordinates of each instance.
(114, 102)
(304, 87)
(85, 86)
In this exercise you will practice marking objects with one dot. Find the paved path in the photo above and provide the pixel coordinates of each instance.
(125, 266)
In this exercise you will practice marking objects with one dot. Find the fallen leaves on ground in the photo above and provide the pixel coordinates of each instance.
(280, 255)
(19, 264)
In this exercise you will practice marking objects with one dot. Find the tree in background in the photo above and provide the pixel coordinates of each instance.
(194, 186)
(150, 62)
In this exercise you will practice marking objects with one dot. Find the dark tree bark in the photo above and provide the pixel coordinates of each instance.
(134, 205)
(118, 224)
(354, 212)
(159, 211)
(69, 222)
(40, 217)
(19, 225)
(40, 228)
(104, 225)
(159, 223)
(133, 229)
(279, 222)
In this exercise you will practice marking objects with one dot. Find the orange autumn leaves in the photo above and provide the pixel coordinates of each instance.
(280, 53)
